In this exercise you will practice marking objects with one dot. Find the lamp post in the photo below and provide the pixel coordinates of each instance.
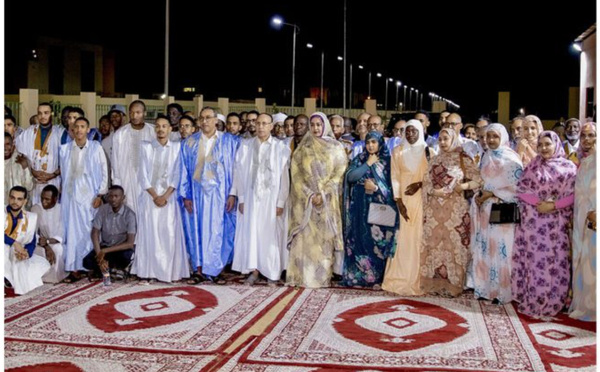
(416, 99)
(404, 99)
(398, 83)
(310, 46)
(410, 99)
(386, 94)
(278, 22)
(369, 85)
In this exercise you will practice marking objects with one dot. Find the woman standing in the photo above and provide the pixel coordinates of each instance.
(540, 275)
(527, 146)
(318, 166)
(409, 166)
(446, 233)
(492, 244)
(583, 306)
(367, 246)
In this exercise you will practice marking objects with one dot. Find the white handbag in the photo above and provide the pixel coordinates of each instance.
(382, 215)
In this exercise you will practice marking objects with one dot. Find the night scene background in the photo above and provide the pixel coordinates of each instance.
(464, 51)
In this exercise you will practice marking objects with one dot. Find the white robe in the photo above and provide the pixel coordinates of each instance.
(47, 161)
(24, 275)
(160, 249)
(50, 226)
(85, 175)
(125, 161)
(261, 183)
(15, 175)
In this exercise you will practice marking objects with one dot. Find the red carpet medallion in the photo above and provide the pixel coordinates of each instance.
(133, 322)
(364, 330)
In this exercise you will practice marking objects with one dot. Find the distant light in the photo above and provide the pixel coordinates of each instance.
(259, 89)
(391, 79)
(276, 21)
(189, 89)
(378, 74)
(398, 83)
(412, 88)
(522, 111)
(360, 67)
(309, 46)
(577, 46)
(416, 90)
(340, 58)
(163, 96)
(33, 51)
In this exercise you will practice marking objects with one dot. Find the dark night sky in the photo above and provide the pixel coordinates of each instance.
(464, 51)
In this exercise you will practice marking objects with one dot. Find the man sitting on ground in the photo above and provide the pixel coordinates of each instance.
(51, 231)
(22, 270)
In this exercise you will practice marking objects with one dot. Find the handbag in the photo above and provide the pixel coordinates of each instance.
(468, 194)
(505, 213)
(382, 215)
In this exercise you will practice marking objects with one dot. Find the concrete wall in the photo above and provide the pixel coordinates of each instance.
(587, 77)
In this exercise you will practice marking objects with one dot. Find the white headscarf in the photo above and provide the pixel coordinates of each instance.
(327, 131)
(412, 154)
(501, 130)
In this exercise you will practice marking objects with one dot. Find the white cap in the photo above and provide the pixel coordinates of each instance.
(222, 118)
(279, 117)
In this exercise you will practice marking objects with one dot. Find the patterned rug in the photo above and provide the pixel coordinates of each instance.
(178, 328)
(365, 330)
(156, 327)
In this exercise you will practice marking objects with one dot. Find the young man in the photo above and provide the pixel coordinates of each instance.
(22, 270)
(288, 126)
(10, 126)
(250, 124)
(261, 184)
(160, 229)
(85, 181)
(125, 160)
(174, 113)
(207, 174)
(186, 126)
(113, 236)
(40, 145)
(16, 169)
(51, 234)
(234, 124)
(72, 114)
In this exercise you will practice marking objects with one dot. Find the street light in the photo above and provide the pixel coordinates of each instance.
(386, 94)
(398, 84)
(404, 99)
(416, 99)
(410, 99)
(277, 23)
(310, 46)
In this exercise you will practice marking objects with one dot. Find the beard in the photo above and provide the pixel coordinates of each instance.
(572, 137)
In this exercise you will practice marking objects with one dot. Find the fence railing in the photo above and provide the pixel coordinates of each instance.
(15, 108)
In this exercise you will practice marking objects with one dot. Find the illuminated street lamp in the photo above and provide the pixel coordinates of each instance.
(277, 23)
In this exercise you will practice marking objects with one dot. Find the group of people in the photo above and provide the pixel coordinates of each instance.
(307, 200)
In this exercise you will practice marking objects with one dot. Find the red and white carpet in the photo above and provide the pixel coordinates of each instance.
(364, 330)
(161, 327)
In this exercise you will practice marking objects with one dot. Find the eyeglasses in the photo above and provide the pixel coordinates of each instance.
(205, 118)
(451, 123)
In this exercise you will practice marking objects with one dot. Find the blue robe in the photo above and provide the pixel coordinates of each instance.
(76, 203)
(209, 230)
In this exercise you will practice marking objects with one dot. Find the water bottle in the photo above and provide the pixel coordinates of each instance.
(106, 278)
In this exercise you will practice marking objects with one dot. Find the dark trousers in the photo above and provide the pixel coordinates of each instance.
(116, 260)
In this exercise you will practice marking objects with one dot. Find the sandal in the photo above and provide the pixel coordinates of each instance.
(196, 278)
(72, 278)
(219, 280)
